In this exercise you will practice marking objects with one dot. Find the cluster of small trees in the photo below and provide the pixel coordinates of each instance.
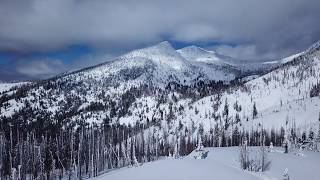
(84, 152)
(256, 162)
(315, 90)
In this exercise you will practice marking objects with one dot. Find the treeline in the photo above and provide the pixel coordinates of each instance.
(87, 151)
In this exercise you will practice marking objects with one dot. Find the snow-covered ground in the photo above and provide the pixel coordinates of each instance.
(222, 163)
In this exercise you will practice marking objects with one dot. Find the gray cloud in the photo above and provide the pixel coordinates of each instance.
(30, 69)
(271, 27)
(40, 67)
(23, 69)
(245, 52)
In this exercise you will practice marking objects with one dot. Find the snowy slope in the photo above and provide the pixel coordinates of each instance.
(221, 163)
(162, 54)
(110, 84)
(244, 67)
(197, 54)
(134, 88)
(290, 58)
(281, 95)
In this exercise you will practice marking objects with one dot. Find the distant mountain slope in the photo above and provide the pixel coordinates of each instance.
(157, 64)
(109, 89)
(167, 87)
(7, 86)
(287, 95)
(197, 54)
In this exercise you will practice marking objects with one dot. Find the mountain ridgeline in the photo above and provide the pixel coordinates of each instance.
(154, 102)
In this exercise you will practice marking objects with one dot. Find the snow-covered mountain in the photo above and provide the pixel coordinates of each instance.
(105, 86)
(141, 84)
(155, 102)
(157, 64)
(285, 95)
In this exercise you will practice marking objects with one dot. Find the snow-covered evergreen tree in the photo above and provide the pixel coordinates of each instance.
(286, 174)
(254, 111)
(244, 155)
(271, 147)
(199, 145)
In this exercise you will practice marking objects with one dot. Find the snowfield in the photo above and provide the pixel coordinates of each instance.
(221, 163)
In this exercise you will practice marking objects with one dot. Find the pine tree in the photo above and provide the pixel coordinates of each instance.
(244, 155)
(48, 161)
(226, 115)
(235, 137)
(217, 135)
(199, 145)
(255, 111)
(176, 150)
(263, 156)
(286, 174)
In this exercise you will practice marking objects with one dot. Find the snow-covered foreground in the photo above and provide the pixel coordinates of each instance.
(221, 163)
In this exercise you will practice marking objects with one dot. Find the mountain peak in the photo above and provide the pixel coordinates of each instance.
(191, 48)
(164, 44)
(162, 54)
(160, 48)
(194, 48)
(195, 53)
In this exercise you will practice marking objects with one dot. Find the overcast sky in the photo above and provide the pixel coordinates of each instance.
(39, 38)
